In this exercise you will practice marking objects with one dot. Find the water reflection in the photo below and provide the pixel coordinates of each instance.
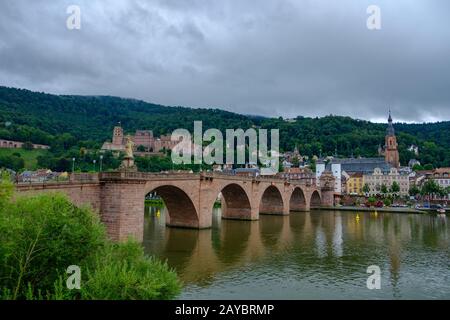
(318, 254)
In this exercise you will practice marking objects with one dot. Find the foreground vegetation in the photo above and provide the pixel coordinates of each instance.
(41, 236)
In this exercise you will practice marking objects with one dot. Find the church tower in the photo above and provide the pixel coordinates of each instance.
(391, 155)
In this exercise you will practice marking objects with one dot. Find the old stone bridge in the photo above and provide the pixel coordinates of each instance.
(118, 197)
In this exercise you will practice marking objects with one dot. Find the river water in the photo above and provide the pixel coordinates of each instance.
(311, 255)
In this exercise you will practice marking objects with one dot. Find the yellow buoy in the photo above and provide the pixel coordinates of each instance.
(158, 213)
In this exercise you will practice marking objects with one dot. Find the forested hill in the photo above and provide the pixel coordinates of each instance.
(67, 121)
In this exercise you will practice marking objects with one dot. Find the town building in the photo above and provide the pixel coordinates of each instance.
(293, 158)
(143, 141)
(10, 144)
(355, 183)
(343, 168)
(440, 175)
(303, 174)
(41, 175)
(380, 177)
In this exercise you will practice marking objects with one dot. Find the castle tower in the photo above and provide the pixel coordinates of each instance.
(391, 147)
(117, 135)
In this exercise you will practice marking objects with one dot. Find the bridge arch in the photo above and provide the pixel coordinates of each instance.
(297, 201)
(235, 202)
(181, 211)
(271, 201)
(316, 200)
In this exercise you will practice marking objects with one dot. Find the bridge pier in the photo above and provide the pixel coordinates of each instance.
(239, 213)
(122, 209)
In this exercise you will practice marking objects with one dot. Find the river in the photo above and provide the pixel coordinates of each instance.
(309, 255)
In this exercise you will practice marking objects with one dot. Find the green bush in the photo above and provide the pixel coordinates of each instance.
(387, 202)
(40, 236)
(372, 200)
(123, 272)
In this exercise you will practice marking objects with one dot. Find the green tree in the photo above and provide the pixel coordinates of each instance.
(384, 189)
(12, 162)
(312, 165)
(366, 188)
(447, 191)
(395, 187)
(414, 191)
(141, 148)
(430, 187)
(372, 201)
(295, 161)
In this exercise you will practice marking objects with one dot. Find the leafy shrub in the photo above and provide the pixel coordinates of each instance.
(372, 200)
(40, 236)
(123, 272)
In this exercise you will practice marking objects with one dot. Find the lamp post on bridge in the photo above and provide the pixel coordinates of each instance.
(94, 161)
(73, 165)
(101, 163)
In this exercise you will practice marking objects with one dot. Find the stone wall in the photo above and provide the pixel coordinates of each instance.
(79, 193)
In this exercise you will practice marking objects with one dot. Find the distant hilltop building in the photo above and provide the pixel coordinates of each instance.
(9, 144)
(390, 150)
(143, 141)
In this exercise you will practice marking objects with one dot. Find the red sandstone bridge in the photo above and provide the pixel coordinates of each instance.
(118, 197)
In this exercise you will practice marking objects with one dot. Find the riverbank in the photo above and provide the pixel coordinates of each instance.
(359, 209)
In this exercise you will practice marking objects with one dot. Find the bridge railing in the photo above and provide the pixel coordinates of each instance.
(114, 175)
(145, 175)
(76, 178)
(84, 177)
(303, 181)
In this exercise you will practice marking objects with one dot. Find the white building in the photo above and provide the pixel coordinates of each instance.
(379, 178)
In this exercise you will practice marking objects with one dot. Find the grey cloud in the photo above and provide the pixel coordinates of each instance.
(274, 58)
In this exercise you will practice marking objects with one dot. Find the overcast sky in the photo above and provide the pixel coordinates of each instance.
(266, 57)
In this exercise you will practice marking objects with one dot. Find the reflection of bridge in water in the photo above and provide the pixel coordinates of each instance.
(238, 244)
(316, 241)
(189, 198)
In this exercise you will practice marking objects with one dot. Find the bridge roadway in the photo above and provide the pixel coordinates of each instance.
(118, 197)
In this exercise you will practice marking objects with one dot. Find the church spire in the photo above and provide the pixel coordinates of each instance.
(390, 129)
